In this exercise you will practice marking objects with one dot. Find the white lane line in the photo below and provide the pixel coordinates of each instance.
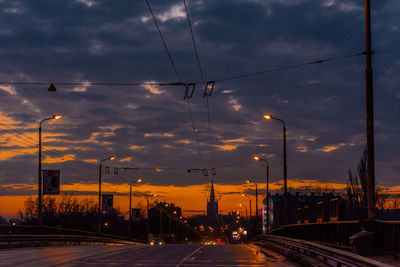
(187, 257)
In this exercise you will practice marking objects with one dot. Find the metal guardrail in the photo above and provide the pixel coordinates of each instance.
(316, 251)
(21, 235)
(7, 241)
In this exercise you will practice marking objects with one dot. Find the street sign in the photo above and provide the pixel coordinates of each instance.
(107, 201)
(51, 182)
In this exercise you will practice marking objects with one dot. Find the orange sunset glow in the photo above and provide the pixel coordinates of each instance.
(189, 198)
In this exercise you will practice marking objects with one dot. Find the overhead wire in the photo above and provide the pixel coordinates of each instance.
(164, 43)
(319, 61)
(180, 83)
(200, 70)
(206, 95)
(46, 152)
(194, 42)
(178, 76)
(87, 83)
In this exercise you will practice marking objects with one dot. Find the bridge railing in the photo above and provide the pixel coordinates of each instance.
(387, 233)
(327, 232)
(21, 231)
(313, 251)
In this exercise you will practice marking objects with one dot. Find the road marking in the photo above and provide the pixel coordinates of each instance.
(187, 257)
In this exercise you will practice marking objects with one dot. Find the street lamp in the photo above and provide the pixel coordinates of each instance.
(54, 117)
(258, 158)
(244, 206)
(249, 181)
(243, 195)
(100, 169)
(137, 181)
(269, 117)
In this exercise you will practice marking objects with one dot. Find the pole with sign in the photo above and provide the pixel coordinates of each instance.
(51, 182)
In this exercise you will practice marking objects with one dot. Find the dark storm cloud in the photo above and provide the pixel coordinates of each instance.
(108, 41)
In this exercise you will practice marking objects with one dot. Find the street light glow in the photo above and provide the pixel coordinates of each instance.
(57, 116)
(248, 181)
(111, 158)
(267, 116)
(256, 158)
(139, 180)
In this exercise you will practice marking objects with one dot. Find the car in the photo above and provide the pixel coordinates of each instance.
(157, 241)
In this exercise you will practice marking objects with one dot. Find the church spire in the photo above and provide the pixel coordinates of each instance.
(212, 196)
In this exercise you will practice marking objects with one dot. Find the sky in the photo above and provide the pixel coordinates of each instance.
(155, 129)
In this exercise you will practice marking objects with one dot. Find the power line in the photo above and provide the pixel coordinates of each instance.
(196, 138)
(180, 83)
(201, 74)
(86, 83)
(164, 43)
(319, 61)
(29, 141)
(194, 43)
(177, 74)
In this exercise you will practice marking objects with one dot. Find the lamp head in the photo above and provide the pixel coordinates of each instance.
(57, 116)
(139, 180)
(267, 116)
(256, 158)
(111, 158)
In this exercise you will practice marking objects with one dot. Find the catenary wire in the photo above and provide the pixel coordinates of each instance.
(319, 61)
(222, 79)
(164, 43)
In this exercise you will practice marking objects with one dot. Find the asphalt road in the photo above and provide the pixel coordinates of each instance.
(144, 255)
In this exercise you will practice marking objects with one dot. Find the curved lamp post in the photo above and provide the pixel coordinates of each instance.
(269, 117)
(100, 170)
(54, 117)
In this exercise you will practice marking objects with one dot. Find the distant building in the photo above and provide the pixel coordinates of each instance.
(212, 205)
(303, 209)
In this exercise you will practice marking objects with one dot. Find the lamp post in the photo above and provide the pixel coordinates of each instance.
(269, 117)
(243, 195)
(54, 117)
(267, 191)
(100, 171)
(138, 181)
(244, 206)
(249, 181)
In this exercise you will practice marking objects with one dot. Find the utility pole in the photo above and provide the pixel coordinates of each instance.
(130, 202)
(267, 192)
(250, 208)
(148, 218)
(370, 113)
(40, 178)
(285, 197)
(160, 221)
(257, 204)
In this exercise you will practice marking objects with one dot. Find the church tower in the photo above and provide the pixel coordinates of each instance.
(212, 205)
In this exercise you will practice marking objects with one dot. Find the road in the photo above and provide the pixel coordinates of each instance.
(144, 255)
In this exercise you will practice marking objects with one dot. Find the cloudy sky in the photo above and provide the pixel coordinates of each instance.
(149, 126)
